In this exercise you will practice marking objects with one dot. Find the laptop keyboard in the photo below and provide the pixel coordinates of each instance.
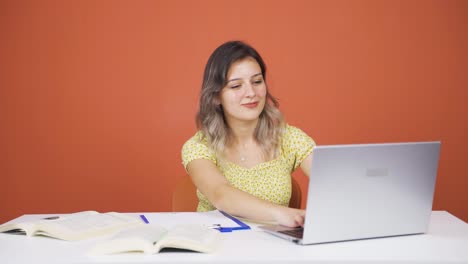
(298, 232)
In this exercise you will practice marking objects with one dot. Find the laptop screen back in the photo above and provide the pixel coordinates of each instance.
(371, 190)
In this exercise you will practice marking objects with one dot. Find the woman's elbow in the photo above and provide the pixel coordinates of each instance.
(220, 197)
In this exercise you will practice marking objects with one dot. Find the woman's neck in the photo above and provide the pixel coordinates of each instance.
(243, 133)
(244, 149)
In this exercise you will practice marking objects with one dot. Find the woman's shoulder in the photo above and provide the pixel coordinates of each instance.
(198, 139)
(293, 135)
(196, 148)
(292, 131)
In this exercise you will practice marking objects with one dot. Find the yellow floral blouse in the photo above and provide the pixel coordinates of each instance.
(269, 180)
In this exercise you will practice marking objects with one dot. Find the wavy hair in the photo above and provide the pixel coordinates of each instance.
(210, 116)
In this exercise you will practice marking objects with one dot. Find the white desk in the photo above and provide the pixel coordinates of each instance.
(446, 242)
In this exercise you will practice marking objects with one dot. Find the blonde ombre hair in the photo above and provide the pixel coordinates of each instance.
(210, 117)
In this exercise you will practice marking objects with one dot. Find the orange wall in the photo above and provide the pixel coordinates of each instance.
(97, 97)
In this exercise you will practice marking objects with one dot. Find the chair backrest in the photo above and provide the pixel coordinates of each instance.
(296, 194)
(184, 197)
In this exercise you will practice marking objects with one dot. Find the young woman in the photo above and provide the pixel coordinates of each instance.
(242, 157)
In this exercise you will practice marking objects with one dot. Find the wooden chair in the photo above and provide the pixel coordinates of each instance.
(184, 197)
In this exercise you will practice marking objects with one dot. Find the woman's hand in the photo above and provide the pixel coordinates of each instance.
(289, 216)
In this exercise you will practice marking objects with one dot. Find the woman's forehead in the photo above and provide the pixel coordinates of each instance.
(244, 68)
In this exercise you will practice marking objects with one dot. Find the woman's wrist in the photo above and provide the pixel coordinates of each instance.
(277, 213)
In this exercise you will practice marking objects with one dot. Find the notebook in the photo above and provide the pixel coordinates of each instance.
(367, 191)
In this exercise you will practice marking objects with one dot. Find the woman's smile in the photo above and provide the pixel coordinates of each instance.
(251, 105)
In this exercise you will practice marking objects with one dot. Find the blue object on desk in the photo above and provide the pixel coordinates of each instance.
(242, 225)
(143, 217)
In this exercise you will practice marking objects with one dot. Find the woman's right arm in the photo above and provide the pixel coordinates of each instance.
(209, 180)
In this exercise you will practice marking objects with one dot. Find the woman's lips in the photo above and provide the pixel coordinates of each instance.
(251, 105)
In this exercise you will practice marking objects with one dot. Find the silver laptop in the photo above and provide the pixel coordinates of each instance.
(367, 191)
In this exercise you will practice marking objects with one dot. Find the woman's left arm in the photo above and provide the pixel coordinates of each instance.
(306, 165)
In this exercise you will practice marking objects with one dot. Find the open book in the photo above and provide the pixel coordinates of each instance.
(151, 239)
(76, 226)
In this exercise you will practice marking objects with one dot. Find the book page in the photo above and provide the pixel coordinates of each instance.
(150, 233)
(191, 237)
(24, 228)
(81, 226)
(30, 226)
(140, 238)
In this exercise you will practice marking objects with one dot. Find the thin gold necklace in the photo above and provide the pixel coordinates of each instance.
(242, 157)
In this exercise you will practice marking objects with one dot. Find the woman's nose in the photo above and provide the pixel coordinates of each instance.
(249, 90)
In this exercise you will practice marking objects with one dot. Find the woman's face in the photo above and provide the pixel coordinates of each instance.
(243, 98)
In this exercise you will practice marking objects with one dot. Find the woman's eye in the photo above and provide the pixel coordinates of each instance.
(258, 82)
(235, 86)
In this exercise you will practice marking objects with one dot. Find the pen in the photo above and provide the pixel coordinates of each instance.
(143, 217)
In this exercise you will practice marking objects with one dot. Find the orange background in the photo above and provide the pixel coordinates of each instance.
(97, 97)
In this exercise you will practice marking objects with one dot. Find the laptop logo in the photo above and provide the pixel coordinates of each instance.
(376, 172)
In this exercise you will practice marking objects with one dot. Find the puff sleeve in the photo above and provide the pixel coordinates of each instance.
(196, 148)
(297, 145)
